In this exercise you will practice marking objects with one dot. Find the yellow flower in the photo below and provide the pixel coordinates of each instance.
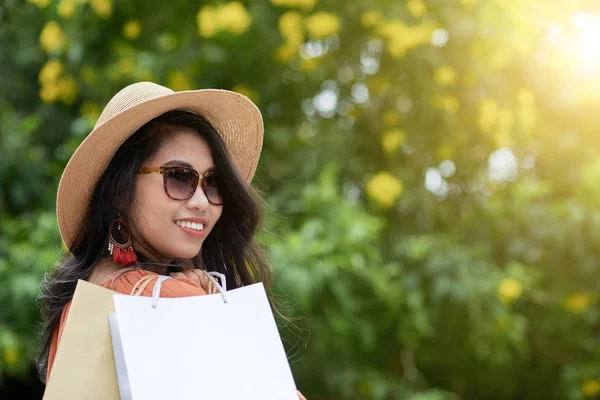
(68, 89)
(445, 76)
(290, 26)
(577, 302)
(49, 92)
(370, 18)
(286, 52)
(246, 91)
(66, 8)
(306, 5)
(308, 64)
(590, 387)
(384, 188)
(40, 3)
(177, 81)
(392, 139)
(395, 33)
(207, 21)
(231, 16)
(103, 8)
(416, 8)
(132, 29)
(322, 24)
(390, 118)
(400, 38)
(509, 290)
(50, 71)
(52, 37)
(234, 17)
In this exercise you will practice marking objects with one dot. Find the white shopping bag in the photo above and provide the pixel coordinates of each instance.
(222, 346)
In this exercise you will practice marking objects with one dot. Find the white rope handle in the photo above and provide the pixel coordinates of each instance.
(223, 287)
(210, 275)
(156, 289)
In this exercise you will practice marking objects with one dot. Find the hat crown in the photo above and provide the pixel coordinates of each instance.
(130, 96)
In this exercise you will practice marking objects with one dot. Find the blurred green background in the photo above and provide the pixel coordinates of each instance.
(432, 169)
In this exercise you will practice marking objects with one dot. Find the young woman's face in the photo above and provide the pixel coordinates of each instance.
(155, 214)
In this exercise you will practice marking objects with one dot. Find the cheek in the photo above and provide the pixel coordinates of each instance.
(153, 210)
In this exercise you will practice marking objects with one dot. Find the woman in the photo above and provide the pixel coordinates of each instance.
(159, 187)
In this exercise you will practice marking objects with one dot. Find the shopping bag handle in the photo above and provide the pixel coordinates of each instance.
(156, 289)
(210, 275)
(222, 287)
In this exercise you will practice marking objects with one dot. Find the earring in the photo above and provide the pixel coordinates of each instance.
(122, 253)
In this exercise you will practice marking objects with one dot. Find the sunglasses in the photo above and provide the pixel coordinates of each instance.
(181, 183)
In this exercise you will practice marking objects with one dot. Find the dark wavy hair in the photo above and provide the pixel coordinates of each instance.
(230, 248)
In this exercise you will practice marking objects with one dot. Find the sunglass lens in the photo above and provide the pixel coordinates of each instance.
(181, 182)
(211, 188)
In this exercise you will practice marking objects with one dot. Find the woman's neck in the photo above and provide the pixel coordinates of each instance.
(105, 269)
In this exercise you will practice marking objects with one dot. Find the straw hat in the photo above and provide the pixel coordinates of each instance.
(234, 116)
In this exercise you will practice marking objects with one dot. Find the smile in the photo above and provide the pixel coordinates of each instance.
(190, 225)
(191, 228)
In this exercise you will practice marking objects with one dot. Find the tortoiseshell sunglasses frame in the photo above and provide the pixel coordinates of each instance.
(199, 178)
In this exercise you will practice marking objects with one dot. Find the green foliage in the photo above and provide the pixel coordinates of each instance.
(430, 168)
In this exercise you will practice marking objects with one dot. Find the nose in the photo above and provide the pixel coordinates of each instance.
(199, 200)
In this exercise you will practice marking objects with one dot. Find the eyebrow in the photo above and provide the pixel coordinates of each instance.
(184, 164)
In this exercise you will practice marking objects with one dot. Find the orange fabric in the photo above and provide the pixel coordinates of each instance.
(124, 283)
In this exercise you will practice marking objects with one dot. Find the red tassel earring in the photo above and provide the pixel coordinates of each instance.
(122, 253)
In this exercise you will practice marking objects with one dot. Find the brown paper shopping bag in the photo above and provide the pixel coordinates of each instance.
(84, 367)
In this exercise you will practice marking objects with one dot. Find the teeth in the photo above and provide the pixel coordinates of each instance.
(191, 225)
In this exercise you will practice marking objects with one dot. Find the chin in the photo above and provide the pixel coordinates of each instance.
(187, 253)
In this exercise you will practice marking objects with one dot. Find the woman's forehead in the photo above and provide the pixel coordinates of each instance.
(185, 148)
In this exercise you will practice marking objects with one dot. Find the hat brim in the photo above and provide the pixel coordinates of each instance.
(237, 120)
